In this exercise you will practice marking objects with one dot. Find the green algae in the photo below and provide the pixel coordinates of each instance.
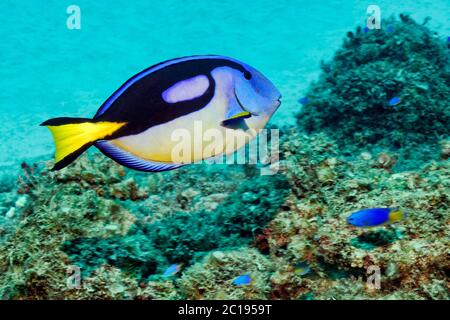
(134, 255)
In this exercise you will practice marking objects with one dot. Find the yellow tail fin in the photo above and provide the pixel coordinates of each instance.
(72, 136)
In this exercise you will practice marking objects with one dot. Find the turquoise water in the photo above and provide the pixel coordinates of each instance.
(349, 149)
(48, 70)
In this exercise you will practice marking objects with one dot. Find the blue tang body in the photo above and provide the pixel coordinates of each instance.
(173, 269)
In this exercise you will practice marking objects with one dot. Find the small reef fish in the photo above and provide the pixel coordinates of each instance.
(366, 29)
(390, 28)
(172, 270)
(394, 101)
(189, 95)
(303, 100)
(375, 217)
(302, 268)
(242, 280)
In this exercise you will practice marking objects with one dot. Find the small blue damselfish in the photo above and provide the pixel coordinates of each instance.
(242, 280)
(394, 101)
(375, 217)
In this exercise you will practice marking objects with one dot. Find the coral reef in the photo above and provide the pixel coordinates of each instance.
(122, 254)
(31, 262)
(87, 211)
(351, 100)
(186, 236)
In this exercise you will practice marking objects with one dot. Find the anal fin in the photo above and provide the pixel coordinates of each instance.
(131, 161)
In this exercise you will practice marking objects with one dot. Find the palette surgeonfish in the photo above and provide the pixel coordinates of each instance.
(135, 126)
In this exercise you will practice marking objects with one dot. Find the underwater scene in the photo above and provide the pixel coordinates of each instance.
(225, 150)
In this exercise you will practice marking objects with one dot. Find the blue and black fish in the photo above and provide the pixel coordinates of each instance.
(135, 125)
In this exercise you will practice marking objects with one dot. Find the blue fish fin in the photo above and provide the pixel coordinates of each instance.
(129, 160)
(235, 112)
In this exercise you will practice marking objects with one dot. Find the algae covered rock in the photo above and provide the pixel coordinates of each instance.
(59, 206)
(114, 226)
(186, 236)
(384, 88)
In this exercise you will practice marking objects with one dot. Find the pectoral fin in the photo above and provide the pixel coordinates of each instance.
(235, 112)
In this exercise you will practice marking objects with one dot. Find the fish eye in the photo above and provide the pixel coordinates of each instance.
(247, 75)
